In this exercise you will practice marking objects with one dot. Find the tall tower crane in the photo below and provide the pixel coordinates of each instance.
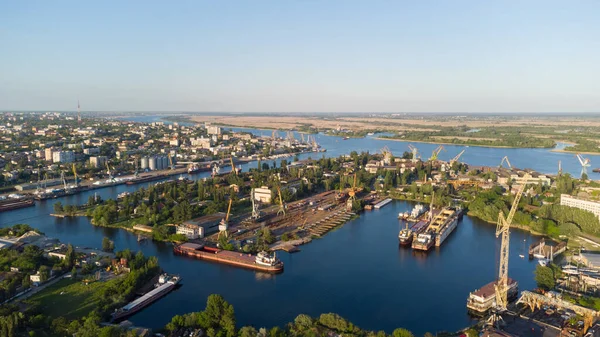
(585, 163)
(436, 152)
(415, 153)
(281, 209)
(503, 230)
(110, 176)
(559, 167)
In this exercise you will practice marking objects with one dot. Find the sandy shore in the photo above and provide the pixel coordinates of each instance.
(426, 142)
(575, 152)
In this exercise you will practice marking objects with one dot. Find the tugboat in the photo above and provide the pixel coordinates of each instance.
(405, 236)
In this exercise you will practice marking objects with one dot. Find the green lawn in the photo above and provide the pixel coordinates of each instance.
(76, 300)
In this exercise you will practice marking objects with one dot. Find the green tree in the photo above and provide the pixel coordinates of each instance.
(58, 207)
(44, 273)
(107, 245)
(247, 331)
(69, 256)
(400, 332)
(544, 277)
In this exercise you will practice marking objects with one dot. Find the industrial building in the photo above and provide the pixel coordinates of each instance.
(190, 231)
(206, 225)
(586, 205)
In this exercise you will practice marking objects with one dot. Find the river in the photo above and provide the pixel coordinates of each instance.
(357, 271)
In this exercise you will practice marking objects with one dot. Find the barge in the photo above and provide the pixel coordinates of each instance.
(164, 286)
(146, 178)
(10, 204)
(263, 261)
(197, 168)
(382, 203)
(482, 300)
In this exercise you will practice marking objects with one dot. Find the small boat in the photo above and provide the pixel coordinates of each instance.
(596, 170)
(522, 256)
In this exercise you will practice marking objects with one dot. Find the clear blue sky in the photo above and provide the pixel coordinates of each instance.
(386, 56)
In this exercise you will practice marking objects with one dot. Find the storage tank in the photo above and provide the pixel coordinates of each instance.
(144, 163)
(152, 163)
(165, 162)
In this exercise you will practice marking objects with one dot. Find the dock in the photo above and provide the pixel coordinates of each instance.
(546, 249)
(330, 222)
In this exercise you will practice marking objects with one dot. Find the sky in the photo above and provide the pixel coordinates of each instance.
(301, 56)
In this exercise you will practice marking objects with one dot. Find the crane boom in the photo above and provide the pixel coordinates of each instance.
(75, 174)
(228, 209)
(455, 159)
(281, 207)
(436, 152)
(233, 170)
(505, 159)
(503, 230)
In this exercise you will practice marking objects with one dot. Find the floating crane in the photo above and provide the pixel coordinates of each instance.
(585, 163)
(455, 159)
(75, 175)
(505, 159)
(436, 152)
(503, 230)
(414, 152)
(281, 209)
(224, 224)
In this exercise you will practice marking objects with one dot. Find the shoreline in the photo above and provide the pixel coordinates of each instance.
(446, 143)
(575, 152)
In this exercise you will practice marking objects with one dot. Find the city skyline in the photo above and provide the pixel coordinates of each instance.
(465, 57)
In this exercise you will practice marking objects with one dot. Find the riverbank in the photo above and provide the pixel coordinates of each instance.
(575, 152)
(458, 144)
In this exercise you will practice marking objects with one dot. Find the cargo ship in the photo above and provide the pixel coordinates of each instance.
(165, 284)
(196, 168)
(382, 203)
(9, 204)
(407, 235)
(146, 178)
(482, 300)
(263, 261)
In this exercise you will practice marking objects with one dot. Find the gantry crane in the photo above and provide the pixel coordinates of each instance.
(352, 195)
(281, 209)
(224, 224)
(505, 159)
(255, 210)
(436, 152)
(585, 163)
(415, 152)
(503, 230)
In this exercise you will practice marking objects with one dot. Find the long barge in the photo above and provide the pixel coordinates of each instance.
(482, 300)
(165, 285)
(146, 178)
(382, 203)
(262, 261)
(10, 204)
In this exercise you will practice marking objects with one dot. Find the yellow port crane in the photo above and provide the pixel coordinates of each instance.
(503, 230)
(171, 165)
(75, 175)
(436, 152)
(233, 170)
(224, 224)
(281, 205)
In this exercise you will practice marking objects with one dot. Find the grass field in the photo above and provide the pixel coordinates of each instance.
(69, 298)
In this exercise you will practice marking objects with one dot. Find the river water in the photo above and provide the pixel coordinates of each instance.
(357, 271)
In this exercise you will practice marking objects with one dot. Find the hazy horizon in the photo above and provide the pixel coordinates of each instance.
(301, 57)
